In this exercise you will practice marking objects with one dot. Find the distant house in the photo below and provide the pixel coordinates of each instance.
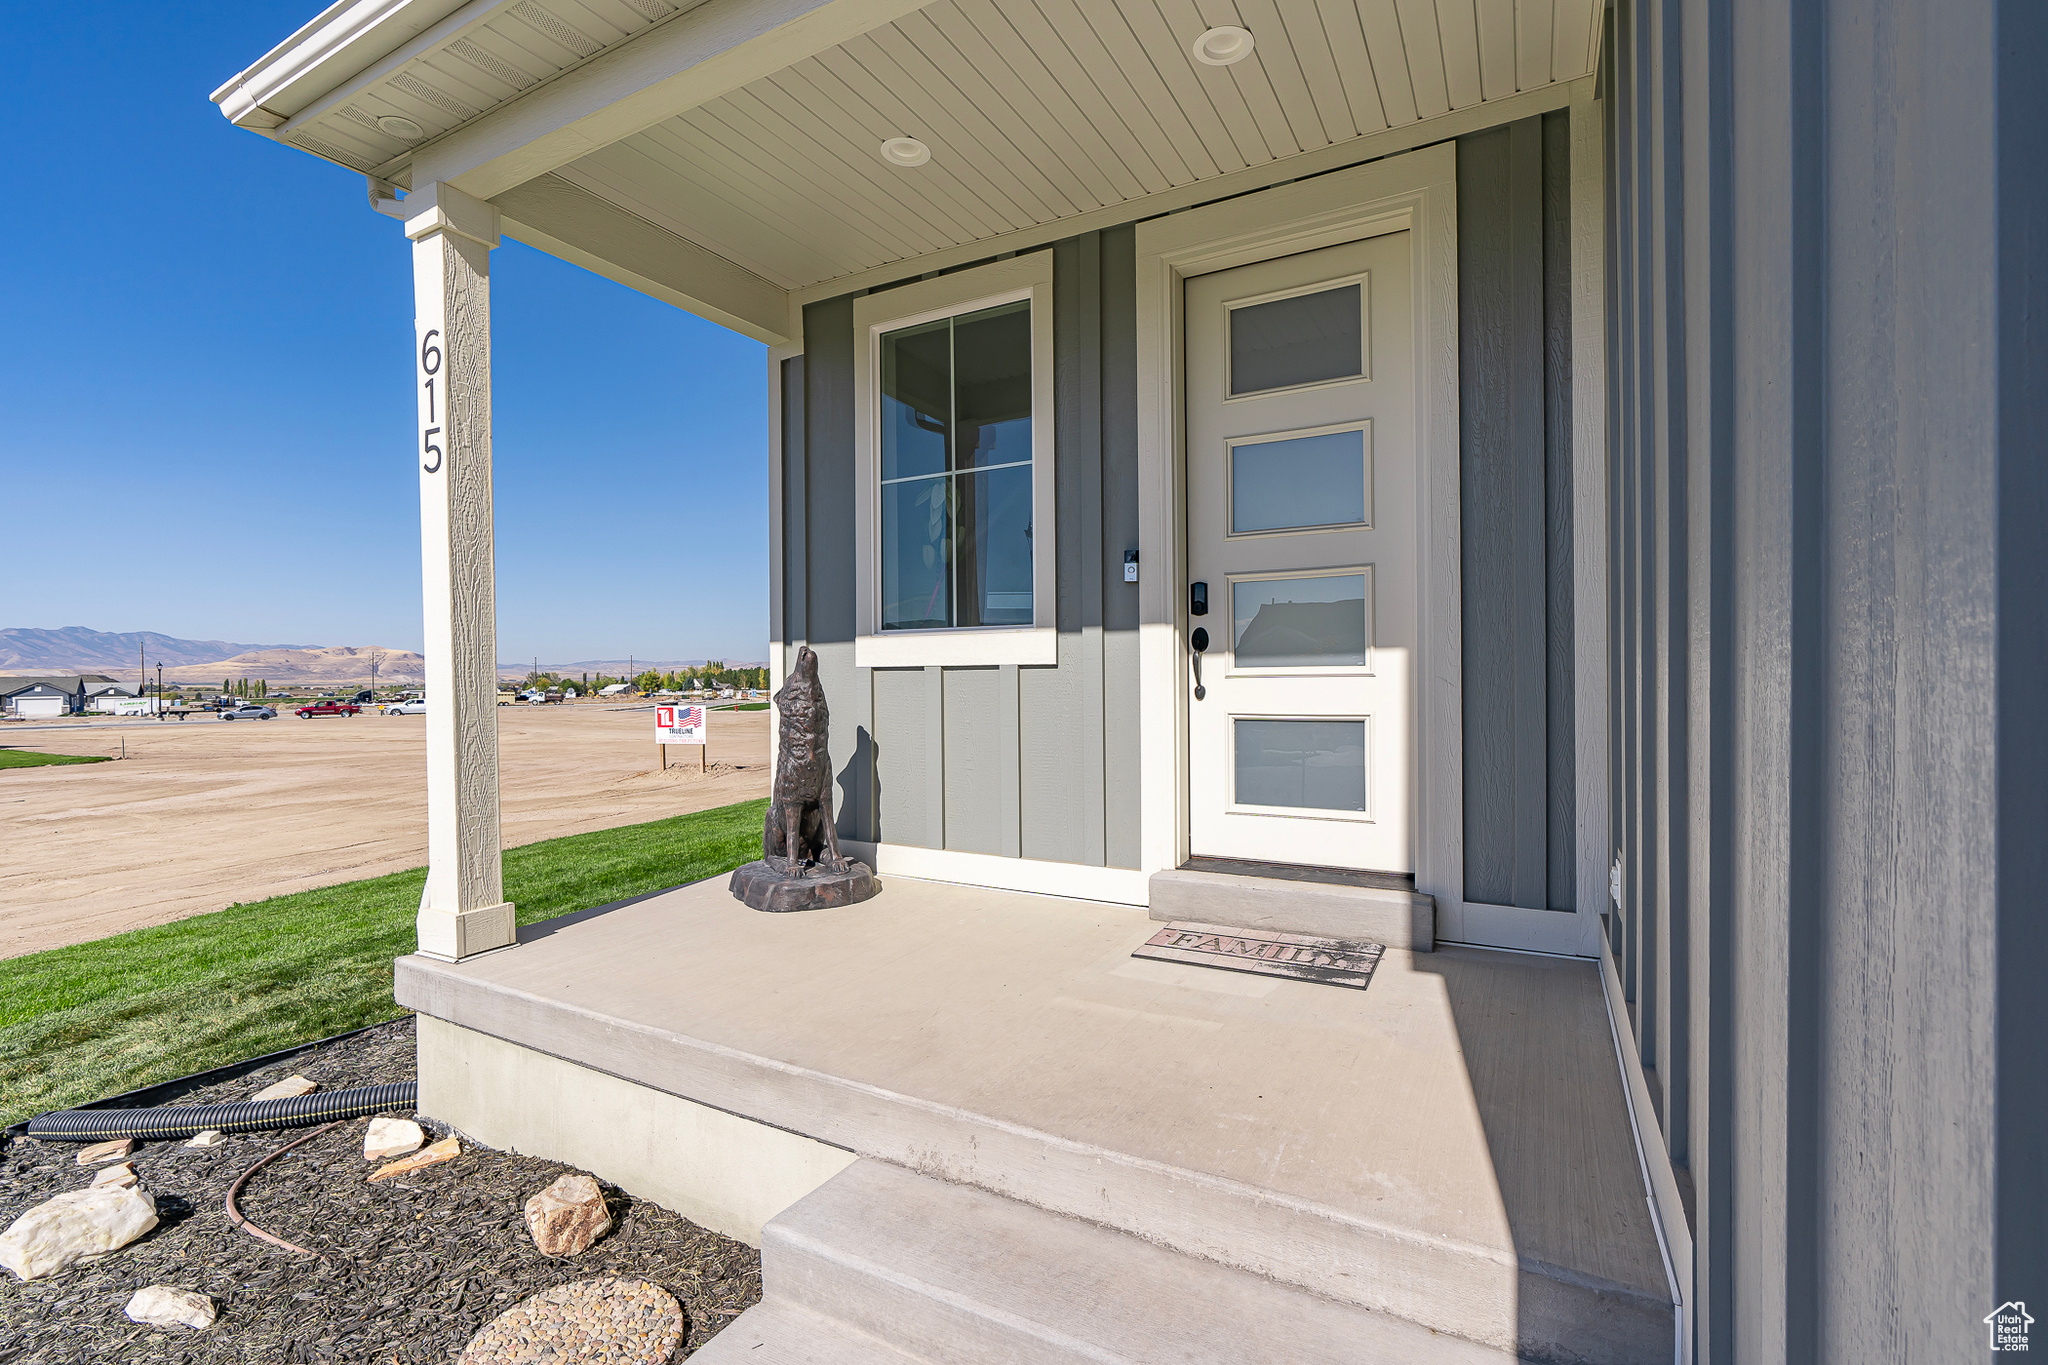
(41, 698)
(614, 689)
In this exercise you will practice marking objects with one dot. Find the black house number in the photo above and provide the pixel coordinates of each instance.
(430, 366)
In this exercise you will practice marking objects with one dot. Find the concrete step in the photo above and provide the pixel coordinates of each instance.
(774, 1332)
(956, 1275)
(1397, 919)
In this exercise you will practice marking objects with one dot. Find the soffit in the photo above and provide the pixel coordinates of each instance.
(487, 54)
(1040, 110)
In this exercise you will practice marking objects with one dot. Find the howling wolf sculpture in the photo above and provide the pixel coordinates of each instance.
(801, 866)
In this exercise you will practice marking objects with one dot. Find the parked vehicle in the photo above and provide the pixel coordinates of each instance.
(327, 706)
(248, 711)
(411, 706)
(364, 697)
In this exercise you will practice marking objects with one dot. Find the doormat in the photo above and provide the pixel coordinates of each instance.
(1299, 957)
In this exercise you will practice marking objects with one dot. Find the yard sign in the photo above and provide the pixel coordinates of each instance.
(679, 725)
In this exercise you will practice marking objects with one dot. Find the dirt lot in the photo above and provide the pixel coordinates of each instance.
(206, 813)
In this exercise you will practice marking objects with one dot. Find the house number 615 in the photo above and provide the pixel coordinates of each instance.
(430, 366)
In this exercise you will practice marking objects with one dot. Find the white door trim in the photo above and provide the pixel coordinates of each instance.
(1416, 192)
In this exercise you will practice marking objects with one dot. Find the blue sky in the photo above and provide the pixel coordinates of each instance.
(205, 385)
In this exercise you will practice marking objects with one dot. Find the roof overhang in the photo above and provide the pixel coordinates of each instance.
(721, 154)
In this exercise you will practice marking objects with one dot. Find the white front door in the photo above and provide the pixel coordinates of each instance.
(1302, 545)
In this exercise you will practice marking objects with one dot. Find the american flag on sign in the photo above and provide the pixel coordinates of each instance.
(679, 724)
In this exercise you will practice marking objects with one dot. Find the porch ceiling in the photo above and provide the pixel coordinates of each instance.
(751, 129)
(1041, 110)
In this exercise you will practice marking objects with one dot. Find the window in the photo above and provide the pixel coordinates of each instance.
(955, 468)
(956, 471)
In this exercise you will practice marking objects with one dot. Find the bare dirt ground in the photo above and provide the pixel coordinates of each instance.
(206, 813)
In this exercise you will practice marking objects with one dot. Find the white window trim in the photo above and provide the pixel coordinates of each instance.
(1020, 277)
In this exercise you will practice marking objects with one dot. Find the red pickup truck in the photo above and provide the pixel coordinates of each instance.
(327, 708)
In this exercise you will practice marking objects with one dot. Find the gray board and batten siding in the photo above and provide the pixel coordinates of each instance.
(1515, 509)
(1829, 481)
(1024, 761)
(1042, 762)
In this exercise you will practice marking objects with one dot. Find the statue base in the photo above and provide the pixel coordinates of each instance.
(775, 886)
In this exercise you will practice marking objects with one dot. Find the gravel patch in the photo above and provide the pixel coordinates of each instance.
(411, 1269)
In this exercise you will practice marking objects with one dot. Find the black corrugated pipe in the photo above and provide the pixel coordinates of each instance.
(243, 1116)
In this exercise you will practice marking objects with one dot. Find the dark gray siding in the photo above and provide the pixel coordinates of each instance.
(1829, 481)
(1038, 762)
(1515, 454)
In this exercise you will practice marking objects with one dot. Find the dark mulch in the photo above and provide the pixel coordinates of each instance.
(413, 1266)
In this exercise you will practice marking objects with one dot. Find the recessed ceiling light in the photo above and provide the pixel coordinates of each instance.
(1222, 46)
(402, 128)
(905, 151)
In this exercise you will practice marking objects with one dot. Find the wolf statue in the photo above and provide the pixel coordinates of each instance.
(801, 867)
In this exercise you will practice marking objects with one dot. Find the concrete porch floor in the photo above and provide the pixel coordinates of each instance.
(1450, 1146)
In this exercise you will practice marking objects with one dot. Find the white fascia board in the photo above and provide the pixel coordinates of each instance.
(337, 46)
(709, 51)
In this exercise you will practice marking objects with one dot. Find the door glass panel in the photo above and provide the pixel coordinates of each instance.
(1306, 339)
(1319, 764)
(1315, 622)
(1300, 482)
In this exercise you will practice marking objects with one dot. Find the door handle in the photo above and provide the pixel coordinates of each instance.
(1199, 642)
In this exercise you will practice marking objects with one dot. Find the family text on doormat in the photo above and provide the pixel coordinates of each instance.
(1302, 957)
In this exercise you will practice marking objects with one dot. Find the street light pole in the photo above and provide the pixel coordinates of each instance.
(159, 689)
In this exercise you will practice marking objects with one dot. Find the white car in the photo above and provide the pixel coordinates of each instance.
(248, 712)
(412, 707)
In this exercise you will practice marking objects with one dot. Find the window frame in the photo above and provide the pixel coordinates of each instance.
(967, 291)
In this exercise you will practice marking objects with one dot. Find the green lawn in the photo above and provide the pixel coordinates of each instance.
(95, 1019)
(23, 758)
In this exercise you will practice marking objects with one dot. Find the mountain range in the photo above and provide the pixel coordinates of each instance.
(75, 649)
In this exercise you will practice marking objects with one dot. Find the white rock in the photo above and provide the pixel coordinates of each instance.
(122, 1175)
(161, 1305)
(212, 1137)
(80, 1226)
(290, 1088)
(388, 1137)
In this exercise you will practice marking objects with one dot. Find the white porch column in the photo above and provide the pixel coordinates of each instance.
(464, 911)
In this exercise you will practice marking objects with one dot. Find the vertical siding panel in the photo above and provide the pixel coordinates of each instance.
(1527, 567)
(1061, 765)
(1486, 511)
(828, 515)
(934, 775)
(1561, 574)
(1010, 766)
(2020, 1195)
(975, 761)
(1515, 450)
(903, 756)
(1120, 700)
(1711, 748)
(1672, 979)
(795, 539)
